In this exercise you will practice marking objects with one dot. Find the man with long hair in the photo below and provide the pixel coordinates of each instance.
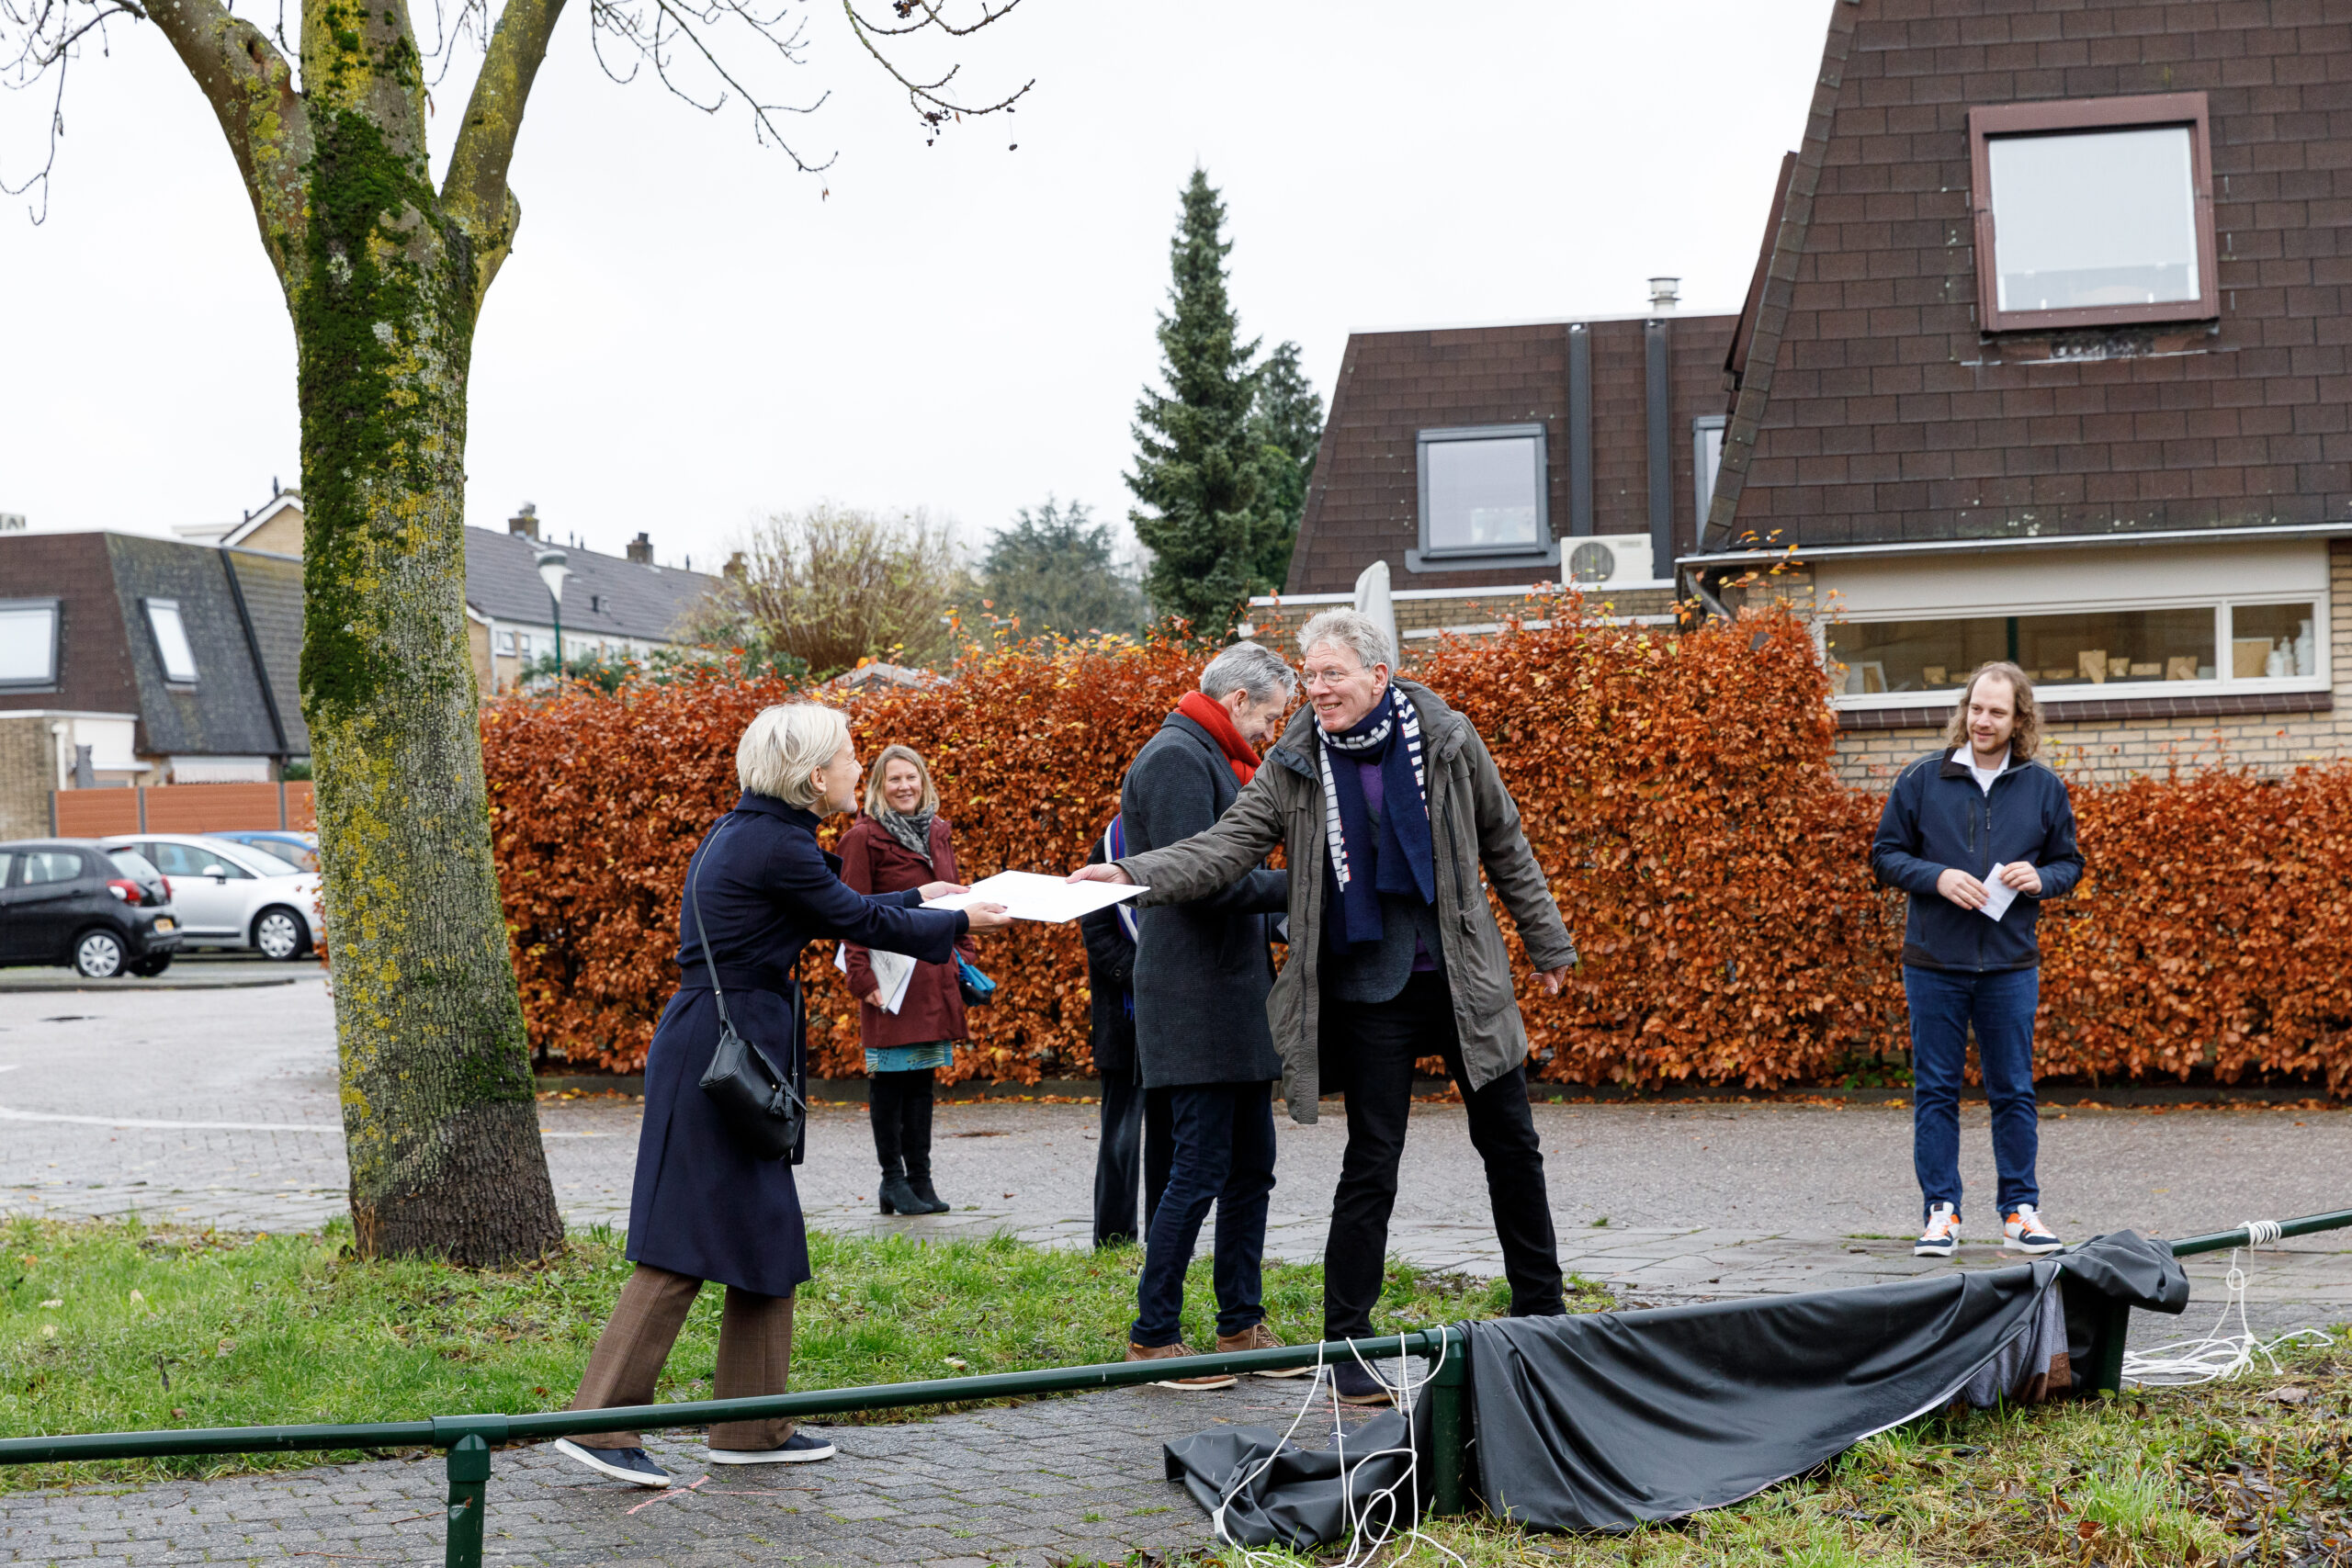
(1979, 833)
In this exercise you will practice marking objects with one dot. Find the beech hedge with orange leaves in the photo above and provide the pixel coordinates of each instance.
(1676, 785)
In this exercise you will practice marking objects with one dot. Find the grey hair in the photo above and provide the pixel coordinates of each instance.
(1247, 666)
(783, 745)
(1350, 629)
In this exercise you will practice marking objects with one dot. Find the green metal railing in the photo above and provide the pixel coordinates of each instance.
(468, 1439)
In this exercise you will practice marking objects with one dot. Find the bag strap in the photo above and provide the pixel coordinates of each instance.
(702, 932)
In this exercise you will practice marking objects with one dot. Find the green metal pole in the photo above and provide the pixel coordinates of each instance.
(2114, 1328)
(469, 1497)
(1449, 1428)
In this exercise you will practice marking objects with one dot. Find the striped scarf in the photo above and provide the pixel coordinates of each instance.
(1394, 855)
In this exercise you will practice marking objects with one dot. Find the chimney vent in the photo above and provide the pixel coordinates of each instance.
(525, 521)
(735, 566)
(640, 549)
(1665, 293)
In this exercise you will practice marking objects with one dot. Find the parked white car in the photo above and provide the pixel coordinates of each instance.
(232, 895)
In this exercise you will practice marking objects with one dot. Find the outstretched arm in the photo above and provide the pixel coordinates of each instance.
(1195, 867)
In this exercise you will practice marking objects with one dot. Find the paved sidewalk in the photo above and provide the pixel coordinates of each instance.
(218, 1107)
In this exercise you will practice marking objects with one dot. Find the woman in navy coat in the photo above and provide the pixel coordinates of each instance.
(703, 1207)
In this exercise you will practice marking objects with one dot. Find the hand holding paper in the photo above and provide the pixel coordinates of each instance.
(1029, 897)
(1998, 896)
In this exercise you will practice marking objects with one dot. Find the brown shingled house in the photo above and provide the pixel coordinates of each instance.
(2048, 363)
(2045, 359)
(1474, 461)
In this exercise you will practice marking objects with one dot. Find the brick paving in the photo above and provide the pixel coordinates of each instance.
(218, 1107)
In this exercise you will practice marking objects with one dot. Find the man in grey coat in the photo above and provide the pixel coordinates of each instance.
(1388, 806)
(1201, 973)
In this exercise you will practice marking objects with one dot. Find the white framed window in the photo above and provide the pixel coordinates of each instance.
(2254, 643)
(1484, 499)
(172, 648)
(28, 644)
(1706, 458)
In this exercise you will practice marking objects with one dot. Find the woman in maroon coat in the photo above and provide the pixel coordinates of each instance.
(901, 842)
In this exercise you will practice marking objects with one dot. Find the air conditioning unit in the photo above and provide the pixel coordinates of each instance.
(1607, 562)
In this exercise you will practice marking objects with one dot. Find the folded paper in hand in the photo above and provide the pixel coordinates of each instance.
(891, 973)
(1029, 897)
(1998, 895)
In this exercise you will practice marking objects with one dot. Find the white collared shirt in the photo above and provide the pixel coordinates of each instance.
(1985, 776)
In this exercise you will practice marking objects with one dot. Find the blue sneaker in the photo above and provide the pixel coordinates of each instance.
(632, 1465)
(801, 1447)
(1356, 1384)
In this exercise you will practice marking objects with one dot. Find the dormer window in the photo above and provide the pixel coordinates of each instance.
(172, 649)
(2093, 212)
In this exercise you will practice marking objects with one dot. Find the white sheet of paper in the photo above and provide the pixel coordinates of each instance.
(1026, 895)
(891, 972)
(1998, 896)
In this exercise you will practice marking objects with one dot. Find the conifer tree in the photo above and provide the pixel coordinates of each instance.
(1199, 470)
(1288, 420)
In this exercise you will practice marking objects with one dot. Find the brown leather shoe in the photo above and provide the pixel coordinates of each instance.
(1257, 1336)
(1165, 1352)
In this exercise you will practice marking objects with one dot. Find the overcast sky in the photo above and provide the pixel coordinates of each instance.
(690, 336)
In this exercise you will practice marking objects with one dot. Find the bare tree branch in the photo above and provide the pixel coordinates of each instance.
(926, 97)
(50, 35)
(659, 30)
(476, 194)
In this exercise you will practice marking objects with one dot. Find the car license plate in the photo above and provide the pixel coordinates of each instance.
(165, 924)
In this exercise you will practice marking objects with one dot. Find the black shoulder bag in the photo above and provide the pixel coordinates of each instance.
(757, 1103)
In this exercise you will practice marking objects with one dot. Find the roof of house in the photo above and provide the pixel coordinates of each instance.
(605, 594)
(1873, 410)
(1363, 503)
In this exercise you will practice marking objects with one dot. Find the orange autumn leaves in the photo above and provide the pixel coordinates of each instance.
(1676, 786)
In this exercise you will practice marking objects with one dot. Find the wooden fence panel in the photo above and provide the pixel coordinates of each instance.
(212, 807)
(97, 813)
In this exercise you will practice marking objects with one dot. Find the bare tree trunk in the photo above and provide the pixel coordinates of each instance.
(439, 1112)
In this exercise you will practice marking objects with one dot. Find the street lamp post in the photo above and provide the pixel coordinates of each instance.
(554, 566)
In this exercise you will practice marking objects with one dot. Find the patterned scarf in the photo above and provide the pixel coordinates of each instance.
(913, 829)
(1395, 855)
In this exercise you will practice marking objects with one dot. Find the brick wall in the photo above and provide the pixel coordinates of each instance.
(27, 771)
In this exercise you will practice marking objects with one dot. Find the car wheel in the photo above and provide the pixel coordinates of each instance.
(280, 935)
(152, 966)
(97, 955)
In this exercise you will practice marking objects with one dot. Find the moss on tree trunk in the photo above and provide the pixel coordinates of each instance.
(437, 1106)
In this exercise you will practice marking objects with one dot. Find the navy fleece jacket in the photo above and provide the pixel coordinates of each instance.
(1938, 817)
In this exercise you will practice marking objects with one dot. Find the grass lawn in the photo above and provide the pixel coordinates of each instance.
(116, 1327)
(2249, 1473)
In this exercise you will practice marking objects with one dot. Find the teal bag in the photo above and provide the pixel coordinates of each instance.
(978, 988)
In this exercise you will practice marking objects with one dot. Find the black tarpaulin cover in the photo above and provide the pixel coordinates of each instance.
(1603, 1421)
(1296, 1499)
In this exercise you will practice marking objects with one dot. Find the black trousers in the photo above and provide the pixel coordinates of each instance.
(1372, 1045)
(899, 1105)
(1136, 1140)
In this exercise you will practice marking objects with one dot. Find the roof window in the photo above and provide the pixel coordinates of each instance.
(2093, 212)
(1484, 499)
(28, 644)
(171, 641)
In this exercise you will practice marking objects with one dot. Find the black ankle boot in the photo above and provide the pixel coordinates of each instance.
(897, 1197)
(931, 1199)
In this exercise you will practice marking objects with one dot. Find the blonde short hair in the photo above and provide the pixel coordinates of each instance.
(873, 801)
(783, 745)
(2025, 739)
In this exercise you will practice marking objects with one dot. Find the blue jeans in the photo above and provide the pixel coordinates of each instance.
(2001, 1006)
(1224, 1137)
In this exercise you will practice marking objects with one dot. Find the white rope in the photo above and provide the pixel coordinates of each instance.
(2220, 1356)
(1363, 1546)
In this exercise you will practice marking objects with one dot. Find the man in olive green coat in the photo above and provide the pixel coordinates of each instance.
(1387, 807)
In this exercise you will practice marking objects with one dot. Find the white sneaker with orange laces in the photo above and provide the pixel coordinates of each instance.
(1942, 1236)
(2025, 1233)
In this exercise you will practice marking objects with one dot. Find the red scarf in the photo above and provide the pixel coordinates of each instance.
(1210, 715)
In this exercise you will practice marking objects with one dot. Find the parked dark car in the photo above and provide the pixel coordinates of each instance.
(106, 912)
